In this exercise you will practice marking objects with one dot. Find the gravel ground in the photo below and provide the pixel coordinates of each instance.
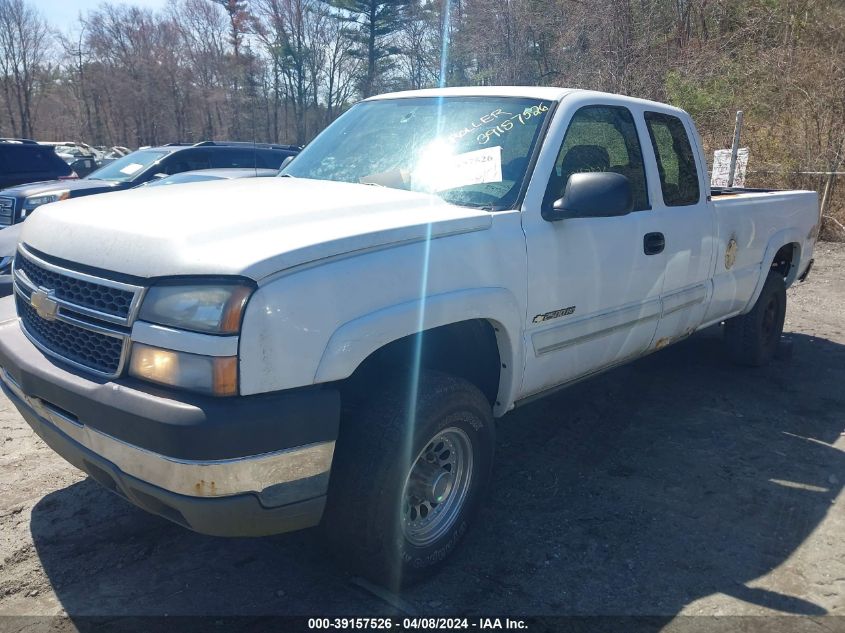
(678, 485)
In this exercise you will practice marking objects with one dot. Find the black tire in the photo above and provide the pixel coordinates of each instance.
(752, 339)
(364, 521)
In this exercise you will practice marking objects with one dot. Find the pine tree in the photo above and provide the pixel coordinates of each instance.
(376, 21)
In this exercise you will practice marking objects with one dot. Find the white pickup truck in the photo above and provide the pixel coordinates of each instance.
(332, 346)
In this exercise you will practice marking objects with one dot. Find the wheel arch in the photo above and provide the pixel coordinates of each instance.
(783, 253)
(455, 316)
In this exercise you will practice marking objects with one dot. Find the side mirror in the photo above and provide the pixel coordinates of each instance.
(592, 195)
(158, 176)
(286, 162)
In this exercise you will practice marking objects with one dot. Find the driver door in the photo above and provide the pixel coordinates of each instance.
(594, 284)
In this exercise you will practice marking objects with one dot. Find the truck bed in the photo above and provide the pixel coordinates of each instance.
(746, 223)
(732, 191)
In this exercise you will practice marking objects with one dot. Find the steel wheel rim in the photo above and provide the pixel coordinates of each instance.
(436, 487)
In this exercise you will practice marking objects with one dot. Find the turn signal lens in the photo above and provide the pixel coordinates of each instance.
(215, 375)
(226, 376)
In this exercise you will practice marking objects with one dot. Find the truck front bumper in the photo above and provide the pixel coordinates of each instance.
(244, 466)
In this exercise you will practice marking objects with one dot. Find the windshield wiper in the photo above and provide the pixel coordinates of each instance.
(473, 205)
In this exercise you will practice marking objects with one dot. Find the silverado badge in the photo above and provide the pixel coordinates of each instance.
(554, 314)
(44, 304)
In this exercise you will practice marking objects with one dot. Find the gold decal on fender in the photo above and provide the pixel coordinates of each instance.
(730, 254)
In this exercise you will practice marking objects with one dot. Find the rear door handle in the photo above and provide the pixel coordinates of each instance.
(653, 243)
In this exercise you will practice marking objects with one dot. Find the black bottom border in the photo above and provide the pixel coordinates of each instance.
(532, 624)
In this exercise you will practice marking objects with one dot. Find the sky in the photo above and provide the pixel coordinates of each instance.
(62, 13)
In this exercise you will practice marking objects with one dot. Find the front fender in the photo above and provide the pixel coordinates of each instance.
(355, 340)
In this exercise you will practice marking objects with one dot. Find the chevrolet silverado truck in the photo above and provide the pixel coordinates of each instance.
(331, 347)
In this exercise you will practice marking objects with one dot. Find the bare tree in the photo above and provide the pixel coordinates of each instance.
(341, 67)
(418, 42)
(285, 34)
(24, 47)
(202, 28)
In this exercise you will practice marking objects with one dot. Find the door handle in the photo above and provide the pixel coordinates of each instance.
(653, 243)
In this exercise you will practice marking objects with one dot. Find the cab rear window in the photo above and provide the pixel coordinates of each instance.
(675, 161)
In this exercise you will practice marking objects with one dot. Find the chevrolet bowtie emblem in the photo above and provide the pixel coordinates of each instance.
(44, 304)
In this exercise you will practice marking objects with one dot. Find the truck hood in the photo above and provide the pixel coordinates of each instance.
(253, 227)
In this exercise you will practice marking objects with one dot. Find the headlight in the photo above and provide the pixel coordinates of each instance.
(209, 308)
(215, 375)
(33, 202)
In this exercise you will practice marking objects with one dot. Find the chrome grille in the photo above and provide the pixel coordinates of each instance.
(7, 211)
(82, 293)
(81, 346)
(88, 320)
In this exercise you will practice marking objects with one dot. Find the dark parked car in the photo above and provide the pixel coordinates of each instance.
(23, 160)
(111, 154)
(9, 236)
(82, 158)
(140, 167)
(83, 166)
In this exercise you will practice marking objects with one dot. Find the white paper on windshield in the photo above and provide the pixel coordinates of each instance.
(131, 168)
(471, 168)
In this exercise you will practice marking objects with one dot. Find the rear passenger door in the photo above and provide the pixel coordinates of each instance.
(686, 220)
(593, 286)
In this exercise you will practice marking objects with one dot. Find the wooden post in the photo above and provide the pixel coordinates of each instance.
(735, 148)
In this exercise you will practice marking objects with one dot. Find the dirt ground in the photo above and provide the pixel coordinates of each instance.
(678, 485)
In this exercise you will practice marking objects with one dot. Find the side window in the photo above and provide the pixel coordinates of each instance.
(272, 159)
(675, 160)
(236, 158)
(600, 138)
(186, 160)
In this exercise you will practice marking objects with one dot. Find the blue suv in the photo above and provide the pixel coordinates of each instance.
(140, 167)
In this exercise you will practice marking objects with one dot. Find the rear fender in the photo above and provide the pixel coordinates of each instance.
(776, 242)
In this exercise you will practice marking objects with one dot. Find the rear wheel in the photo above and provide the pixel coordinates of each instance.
(407, 477)
(752, 339)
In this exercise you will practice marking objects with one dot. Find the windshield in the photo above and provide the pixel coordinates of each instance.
(471, 151)
(126, 168)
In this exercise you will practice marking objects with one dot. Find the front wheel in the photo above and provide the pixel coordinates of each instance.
(752, 338)
(408, 475)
